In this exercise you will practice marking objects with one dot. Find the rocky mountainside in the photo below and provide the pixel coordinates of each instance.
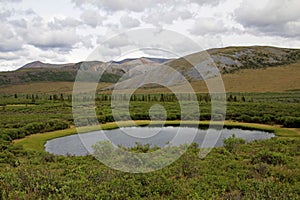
(211, 63)
(231, 59)
(196, 66)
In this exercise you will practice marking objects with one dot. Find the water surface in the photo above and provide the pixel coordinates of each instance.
(81, 144)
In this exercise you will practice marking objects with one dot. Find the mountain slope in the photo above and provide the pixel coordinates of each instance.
(232, 59)
(271, 79)
(208, 64)
(229, 61)
(39, 64)
(112, 71)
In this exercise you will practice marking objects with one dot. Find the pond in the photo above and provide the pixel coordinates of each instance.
(81, 144)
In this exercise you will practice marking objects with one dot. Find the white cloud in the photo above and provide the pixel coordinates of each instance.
(10, 1)
(52, 56)
(140, 5)
(18, 23)
(208, 26)
(116, 5)
(4, 14)
(9, 55)
(280, 18)
(165, 15)
(60, 39)
(92, 18)
(68, 22)
(206, 2)
(9, 41)
(35, 31)
(104, 53)
(116, 41)
(129, 22)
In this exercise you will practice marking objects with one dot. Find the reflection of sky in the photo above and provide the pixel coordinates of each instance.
(81, 144)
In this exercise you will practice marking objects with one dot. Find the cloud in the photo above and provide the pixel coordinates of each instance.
(140, 5)
(18, 23)
(116, 5)
(104, 53)
(164, 15)
(137, 6)
(86, 41)
(59, 39)
(206, 2)
(68, 22)
(129, 22)
(117, 41)
(57, 34)
(92, 18)
(52, 56)
(9, 41)
(10, 1)
(4, 14)
(207, 26)
(281, 18)
(8, 56)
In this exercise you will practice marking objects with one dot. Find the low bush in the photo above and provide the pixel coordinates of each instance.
(269, 157)
(232, 143)
(291, 122)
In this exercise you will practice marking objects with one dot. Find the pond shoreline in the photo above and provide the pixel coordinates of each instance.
(36, 142)
(154, 136)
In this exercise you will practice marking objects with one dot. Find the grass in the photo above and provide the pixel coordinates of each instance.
(37, 141)
(271, 79)
(46, 87)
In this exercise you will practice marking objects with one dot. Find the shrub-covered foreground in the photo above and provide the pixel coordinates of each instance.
(267, 169)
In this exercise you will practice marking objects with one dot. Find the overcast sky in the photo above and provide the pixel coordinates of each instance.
(69, 30)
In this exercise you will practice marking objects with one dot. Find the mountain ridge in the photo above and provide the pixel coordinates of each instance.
(227, 60)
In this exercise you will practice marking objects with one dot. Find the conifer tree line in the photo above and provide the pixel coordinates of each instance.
(163, 97)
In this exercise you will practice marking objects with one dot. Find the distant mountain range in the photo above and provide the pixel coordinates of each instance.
(227, 60)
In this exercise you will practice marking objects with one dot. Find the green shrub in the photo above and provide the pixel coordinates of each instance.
(232, 143)
(14, 133)
(292, 122)
(269, 157)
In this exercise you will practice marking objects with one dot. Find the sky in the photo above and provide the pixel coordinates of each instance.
(69, 31)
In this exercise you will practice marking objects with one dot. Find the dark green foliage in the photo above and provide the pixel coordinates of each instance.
(255, 172)
(32, 128)
(40, 127)
(272, 158)
(232, 143)
(51, 75)
(291, 122)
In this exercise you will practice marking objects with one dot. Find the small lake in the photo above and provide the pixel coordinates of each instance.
(81, 144)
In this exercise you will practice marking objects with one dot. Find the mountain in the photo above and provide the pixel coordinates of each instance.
(135, 71)
(200, 66)
(156, 60)
(39, 64)
(232, 59)
(112, 71)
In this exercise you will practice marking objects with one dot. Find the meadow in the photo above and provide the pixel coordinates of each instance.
(258, 170)
(26, 114)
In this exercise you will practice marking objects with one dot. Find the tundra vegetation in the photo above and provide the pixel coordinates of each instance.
(268, 169)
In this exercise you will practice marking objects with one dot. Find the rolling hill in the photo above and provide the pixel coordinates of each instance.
(254, 68)
(112, 71)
